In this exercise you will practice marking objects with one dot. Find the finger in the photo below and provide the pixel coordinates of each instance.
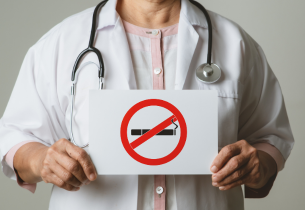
(45, 174)
(84, 160)
(65, 175)
(237, 175)
(224, 156)
(49, 177)
(60, 183)
(71, 166)
(234, 184)
(232, 165)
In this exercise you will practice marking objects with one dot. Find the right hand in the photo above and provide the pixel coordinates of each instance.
(67, 166)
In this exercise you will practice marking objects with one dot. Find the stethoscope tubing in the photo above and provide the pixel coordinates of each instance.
(91, 48)
(73, 93)
(210, 30)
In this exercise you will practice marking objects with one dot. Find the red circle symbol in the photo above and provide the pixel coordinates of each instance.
(177, 115)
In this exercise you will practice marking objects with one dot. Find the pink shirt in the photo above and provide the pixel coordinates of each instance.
(153, 54)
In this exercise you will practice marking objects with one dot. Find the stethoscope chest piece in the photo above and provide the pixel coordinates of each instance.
(208, 73)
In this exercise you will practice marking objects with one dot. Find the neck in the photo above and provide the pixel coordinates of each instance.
(153, 14)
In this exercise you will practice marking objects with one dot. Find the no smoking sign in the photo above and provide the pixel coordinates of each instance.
(152, 132)
(160, 129)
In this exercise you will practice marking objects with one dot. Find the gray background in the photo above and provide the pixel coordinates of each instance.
(277, 25)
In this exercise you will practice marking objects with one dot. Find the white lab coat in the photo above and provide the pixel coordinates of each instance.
(251, 105)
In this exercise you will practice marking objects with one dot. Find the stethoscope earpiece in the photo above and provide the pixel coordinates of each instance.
(208, 73)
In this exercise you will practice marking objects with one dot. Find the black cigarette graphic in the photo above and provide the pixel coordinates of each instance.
(165, 132)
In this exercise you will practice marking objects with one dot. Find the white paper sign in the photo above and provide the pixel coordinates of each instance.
(153, 132)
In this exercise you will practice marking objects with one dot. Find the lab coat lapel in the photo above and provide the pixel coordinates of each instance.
(122, 62)
(187, 42)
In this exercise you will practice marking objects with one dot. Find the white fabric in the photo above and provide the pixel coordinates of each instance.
(251, 105)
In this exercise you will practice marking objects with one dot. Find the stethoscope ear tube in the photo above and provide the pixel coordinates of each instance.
(72, 100)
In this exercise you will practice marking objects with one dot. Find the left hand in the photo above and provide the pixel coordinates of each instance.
(240, 163)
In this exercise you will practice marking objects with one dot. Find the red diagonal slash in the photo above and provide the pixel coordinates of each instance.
(153, 132)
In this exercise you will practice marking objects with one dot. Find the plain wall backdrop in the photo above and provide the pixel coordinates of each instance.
(277, 25)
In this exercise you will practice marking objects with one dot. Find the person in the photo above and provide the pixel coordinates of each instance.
(136, 37)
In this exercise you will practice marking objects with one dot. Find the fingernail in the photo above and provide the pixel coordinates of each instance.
(75, 189)
(215, 179)
(221, 188)
(87, 182)
(214, 169)
(214, 184)
(92, 176)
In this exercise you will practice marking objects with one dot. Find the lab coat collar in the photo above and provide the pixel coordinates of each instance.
(194, 15)
(109, 16)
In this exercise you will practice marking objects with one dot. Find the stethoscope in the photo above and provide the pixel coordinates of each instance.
(207, 72)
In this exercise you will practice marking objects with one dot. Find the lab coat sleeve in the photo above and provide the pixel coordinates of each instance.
(33, 112)
(263, 120)
(263, 117)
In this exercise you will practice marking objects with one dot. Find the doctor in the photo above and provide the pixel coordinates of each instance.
(146, 44)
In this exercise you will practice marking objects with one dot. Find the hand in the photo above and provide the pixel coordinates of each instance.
(67, 166)
(240, 163)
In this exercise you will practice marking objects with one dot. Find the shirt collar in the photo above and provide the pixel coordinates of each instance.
(109, 16)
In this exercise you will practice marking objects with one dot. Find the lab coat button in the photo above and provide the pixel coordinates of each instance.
(159, 190)
(155, 32)
(157, 70)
